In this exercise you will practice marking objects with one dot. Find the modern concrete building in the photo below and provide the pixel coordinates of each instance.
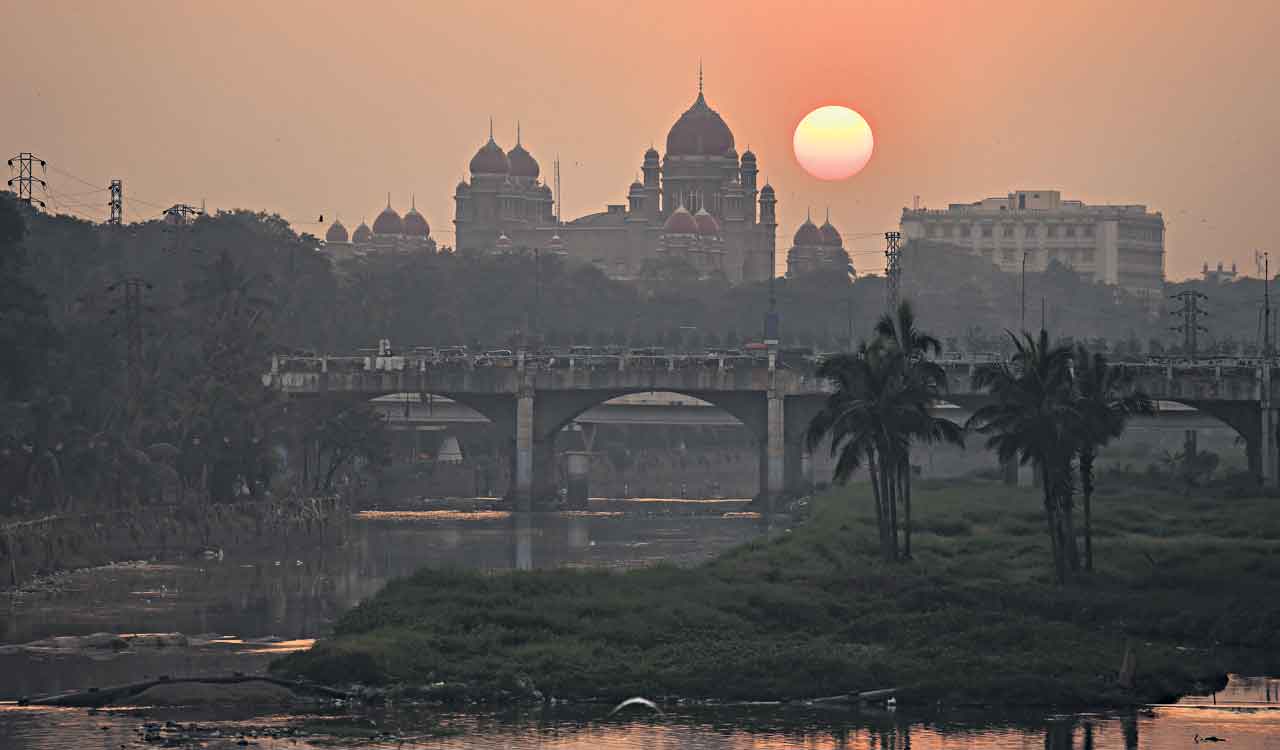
(1121, 245)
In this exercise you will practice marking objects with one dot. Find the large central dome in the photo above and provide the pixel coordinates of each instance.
(700, 131)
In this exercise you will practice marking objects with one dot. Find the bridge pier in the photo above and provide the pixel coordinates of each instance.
(523, 476)
(775, 450)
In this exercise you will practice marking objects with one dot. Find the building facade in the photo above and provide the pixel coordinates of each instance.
(698, 202)
(1122, 245)
(390, 233)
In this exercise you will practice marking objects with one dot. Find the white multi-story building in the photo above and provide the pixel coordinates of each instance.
(1121, 245)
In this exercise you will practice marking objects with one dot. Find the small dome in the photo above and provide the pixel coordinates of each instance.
(700, 131)
(830, 235)
(415, 224)
(707, 224)
(336, 233)
(808, 234)
(748, 156)
(463, 187)
(522, 162)
(490, 159)
(636, 187)
(651, 154)
(766, 192)
(362, 234)
(680, 222)
(388, 222)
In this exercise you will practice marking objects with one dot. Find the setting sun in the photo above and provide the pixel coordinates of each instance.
(833, 143)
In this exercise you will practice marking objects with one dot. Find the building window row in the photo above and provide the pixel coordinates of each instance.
(1030, 231)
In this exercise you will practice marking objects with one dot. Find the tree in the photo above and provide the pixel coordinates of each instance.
(927, 379)
(1036, 419)
(350, 433)
(880, 406)
(1106, 399)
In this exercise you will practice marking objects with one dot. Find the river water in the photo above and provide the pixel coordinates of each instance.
(235, 614)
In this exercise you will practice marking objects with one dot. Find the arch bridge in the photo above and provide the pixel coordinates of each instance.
(531, 398)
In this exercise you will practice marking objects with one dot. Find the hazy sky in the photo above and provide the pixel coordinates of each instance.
(304, 108)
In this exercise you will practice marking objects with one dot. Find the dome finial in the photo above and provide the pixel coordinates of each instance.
(828, 214)
(413, 201)
(517, 132)
(388, 199)
(699, 75)
(808, 214)
(491, 127)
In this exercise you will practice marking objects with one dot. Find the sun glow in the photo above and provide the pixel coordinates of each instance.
(833, 143)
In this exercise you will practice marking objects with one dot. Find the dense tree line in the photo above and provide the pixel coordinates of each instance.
(222, 291)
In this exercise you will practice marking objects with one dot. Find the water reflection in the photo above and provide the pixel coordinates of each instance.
(296, 591)
(587, 728)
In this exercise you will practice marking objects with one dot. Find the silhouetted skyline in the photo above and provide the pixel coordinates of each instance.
(307, 110)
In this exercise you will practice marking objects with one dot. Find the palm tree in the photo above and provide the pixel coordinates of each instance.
(1036, 419)
(879, 407)
(854, 417)
(1106, 399)
(928, 380)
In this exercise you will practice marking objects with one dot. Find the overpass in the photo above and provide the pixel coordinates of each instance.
(531, 398)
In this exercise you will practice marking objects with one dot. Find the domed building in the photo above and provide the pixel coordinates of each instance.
(815, 249)
(390, 233)
(701, 178)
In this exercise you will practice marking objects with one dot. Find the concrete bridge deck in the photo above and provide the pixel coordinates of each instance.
(533, 398)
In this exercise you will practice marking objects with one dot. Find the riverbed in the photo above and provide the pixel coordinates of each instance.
(224, 614)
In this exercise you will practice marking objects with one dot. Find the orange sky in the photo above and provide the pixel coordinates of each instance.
(304, 108)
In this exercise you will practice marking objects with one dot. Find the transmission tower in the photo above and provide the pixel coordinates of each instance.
(178, 218)
(131, 289)
(26, 178)
(117, 203)
(892, 269)
(1191, 313)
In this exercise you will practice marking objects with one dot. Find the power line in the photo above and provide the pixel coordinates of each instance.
(1191, 314)
(117, 203)
(26, 178)
(131, 290)
(178, 219)
(892, 269)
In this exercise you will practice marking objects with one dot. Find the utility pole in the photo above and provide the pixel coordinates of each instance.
(892, 270)
(131, 290)
(1266, 305)
(559, 201)
(1191, 313)
(1022, 324)
(771, 317)
(26, 177)
(117, 203)
(179, 217)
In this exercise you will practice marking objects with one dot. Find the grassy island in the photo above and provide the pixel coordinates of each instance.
(974, 617)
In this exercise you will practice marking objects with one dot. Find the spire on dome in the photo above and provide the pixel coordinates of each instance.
(491, 127)
(699, 75)
(517, 132)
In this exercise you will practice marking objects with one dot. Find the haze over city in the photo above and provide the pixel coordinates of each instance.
(307, 109)
(606, 376)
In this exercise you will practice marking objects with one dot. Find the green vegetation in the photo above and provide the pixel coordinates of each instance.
(1054, 406)
(973, 618)
(880, 406)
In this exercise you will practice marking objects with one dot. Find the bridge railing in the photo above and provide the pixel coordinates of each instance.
(1169, 369)
(422, 363)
